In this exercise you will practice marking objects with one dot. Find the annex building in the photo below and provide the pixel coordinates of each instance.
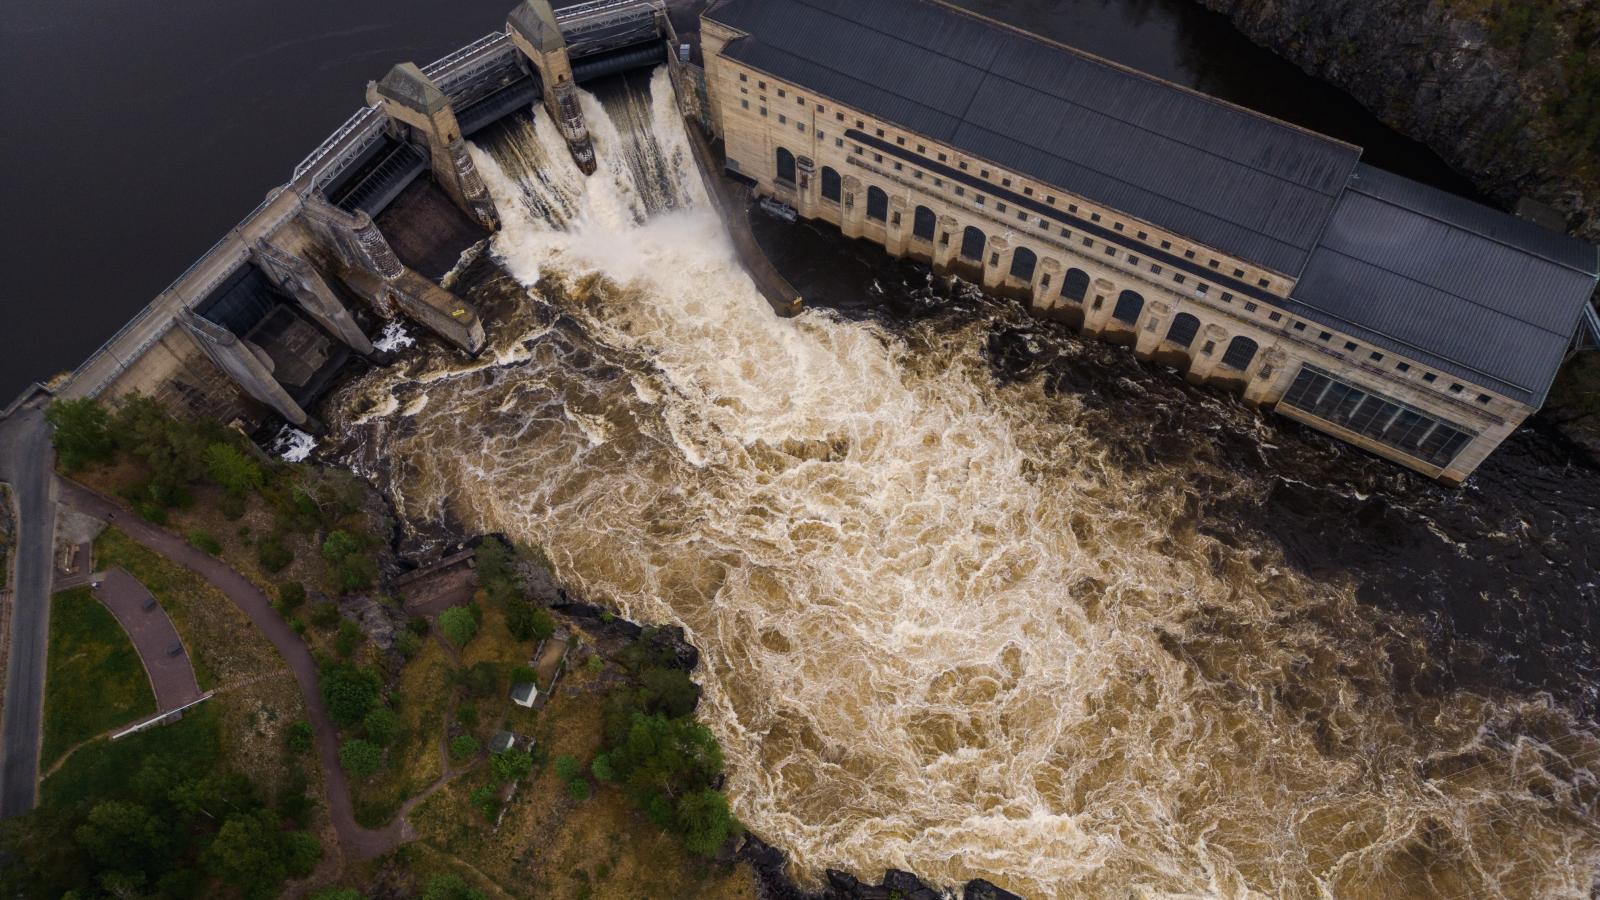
(1245, 250)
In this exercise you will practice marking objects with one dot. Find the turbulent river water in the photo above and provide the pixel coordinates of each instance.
(976, 599)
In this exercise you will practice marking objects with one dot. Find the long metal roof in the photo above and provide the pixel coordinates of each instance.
(1476, 293)
(1250, 186)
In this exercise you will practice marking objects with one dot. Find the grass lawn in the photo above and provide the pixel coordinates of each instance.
(95, 680)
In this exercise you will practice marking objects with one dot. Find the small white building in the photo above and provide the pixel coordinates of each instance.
(523, 693)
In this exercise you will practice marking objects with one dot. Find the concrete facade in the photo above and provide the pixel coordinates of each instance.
(410, 98)
(836, 164)
(533, 29)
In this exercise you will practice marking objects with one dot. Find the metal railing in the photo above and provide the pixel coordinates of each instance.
(365, 118)
(489, 42)
(604, 13)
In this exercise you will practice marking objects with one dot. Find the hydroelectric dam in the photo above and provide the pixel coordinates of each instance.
(1125, 635)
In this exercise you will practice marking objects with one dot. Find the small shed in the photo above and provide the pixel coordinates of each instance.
(502, 741)
(523, 693)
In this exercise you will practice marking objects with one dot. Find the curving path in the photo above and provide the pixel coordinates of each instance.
(357, 842)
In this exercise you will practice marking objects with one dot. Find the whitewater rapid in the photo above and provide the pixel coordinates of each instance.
(943, 627)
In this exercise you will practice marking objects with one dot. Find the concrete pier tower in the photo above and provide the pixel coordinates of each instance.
(410, 97)
(248, 365)
(535, 32)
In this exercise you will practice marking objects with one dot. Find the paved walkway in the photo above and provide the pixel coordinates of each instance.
(162, 651)
(26, 462)
(358, 843)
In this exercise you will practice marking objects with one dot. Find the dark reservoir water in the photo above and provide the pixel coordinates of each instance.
(138, 133)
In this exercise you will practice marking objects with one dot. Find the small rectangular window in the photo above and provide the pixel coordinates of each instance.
(1094, 217)
(900, 140)
(782, 92)
(743, 77)
(820, 135)
(838, 142)
(801, 101)
(1403, 367)
(898, 167)
(1209, 347)
(1483, 398)
(880, 132)
(1027, 192)
(783, 119)
(763, 110)
(860, 124)
(1238, 273)
(1072, 207)
(999, 207)
(745, 103)
(1178, 279)
(800, 127)
(921, 149)
(1088, 242)
(1111, 251)
(978, 200)
(1213, 264)
(1325, 336)
(1250, 307)
(960, 191)
(819, 108)
(838, 116)
(1299, 326)
(1202, 287)
(877, 157)
(1005, 182)
(938, 182)
(1066, 233)
(1262, 282)
(1133, 260)
(762, 85)
(1188, 254)
(983, 173)
(1455, 388)
(1022, 215)
(1117, 226)
(1376, 356)
(1043, 225)
(1227, 297)
(859, 150)
(962, 165)
(1350, 346)
(917, 174)
(1274, 316)
(1141, 235)
(1429, 377)
(941, 157)
(1155, 269)
(1166, 245)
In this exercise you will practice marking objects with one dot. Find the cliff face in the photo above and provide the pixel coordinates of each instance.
(1507, 91)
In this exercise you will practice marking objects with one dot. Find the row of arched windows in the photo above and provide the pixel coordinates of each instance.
(1185, 327)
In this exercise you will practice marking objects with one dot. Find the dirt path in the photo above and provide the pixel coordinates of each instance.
(358, 843)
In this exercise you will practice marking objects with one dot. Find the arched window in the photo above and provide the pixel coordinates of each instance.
(1075, 286)
(923, 222)
(1241, 350)
(1129, 304)
(1184, 328)
(785, 165)
(877, 204)
(1022, 263)
(972, 241)
(830, 184)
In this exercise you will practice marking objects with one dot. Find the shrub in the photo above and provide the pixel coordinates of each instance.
(273, 555)
(325, 614)
(467, 715)
(350, 692)
(595, 664)
(601, 768)
(704, 821)
(418, 626)
(351, 567)
(360, 757)
(458, 625)
(450, 887)
(578, 789)
(482, 679)
(520, 674)
(407, 644)
(567, 767)
(510, 765)
(486, 802)
(463, 746)
(204, 542)
(237, 474)
(349, 637)
(381, 725)
(82, 432)
(298, 736)
(290, 595)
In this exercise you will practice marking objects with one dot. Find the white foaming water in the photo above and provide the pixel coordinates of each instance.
(942, 629)
(393, 337)
(291, 444)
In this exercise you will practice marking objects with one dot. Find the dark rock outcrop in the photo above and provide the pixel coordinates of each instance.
(1497, 98)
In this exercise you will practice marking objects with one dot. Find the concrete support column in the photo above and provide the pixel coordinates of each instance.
(946, 243)
(996, 263)
(807, 187)
(1152, 328)
(407, 95)
(1097, 306)
(855, 207)
(899, 226)
(1269, 377)
(295, 277)
(1203, 361)
(247, 365)
(1479, 449)
(1046, 284)
(534, 30)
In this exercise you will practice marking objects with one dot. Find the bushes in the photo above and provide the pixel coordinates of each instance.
(204, 542)
(360, 757)
(381, 725)
(482, 679)
(510, 765)
(291, 594)
(463, 746)
(297, 737)
(82, 433)
(458, 625)
(349, 565)
(237, 474)
(272, 554)
(325, 614)
(350, 692)
(348, 639)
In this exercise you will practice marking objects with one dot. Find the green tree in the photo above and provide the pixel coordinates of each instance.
(297, 737)
(348, 639)
(381, 725)
(446, 886)
(568, 767)
(510, 765)
(704, 821)
(360, 757)
(458, 625)
(578, 789)
(601, 768)
(349, 692)
(247, 851)
(124, 837)
(463, 746)
(291, 594)
(82, 432)
(232, 471)
(302, 852)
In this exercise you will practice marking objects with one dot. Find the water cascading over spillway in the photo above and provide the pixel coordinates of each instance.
(943, 629)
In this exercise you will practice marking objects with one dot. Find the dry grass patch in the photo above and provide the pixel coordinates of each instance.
(422, 699)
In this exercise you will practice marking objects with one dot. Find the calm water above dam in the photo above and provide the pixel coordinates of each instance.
(138, 133)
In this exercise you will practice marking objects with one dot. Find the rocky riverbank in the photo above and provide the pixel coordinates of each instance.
(1506, 92)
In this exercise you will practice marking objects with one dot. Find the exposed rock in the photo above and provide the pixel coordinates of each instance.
(978, 889)
(380, 622)
(1436, 72)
